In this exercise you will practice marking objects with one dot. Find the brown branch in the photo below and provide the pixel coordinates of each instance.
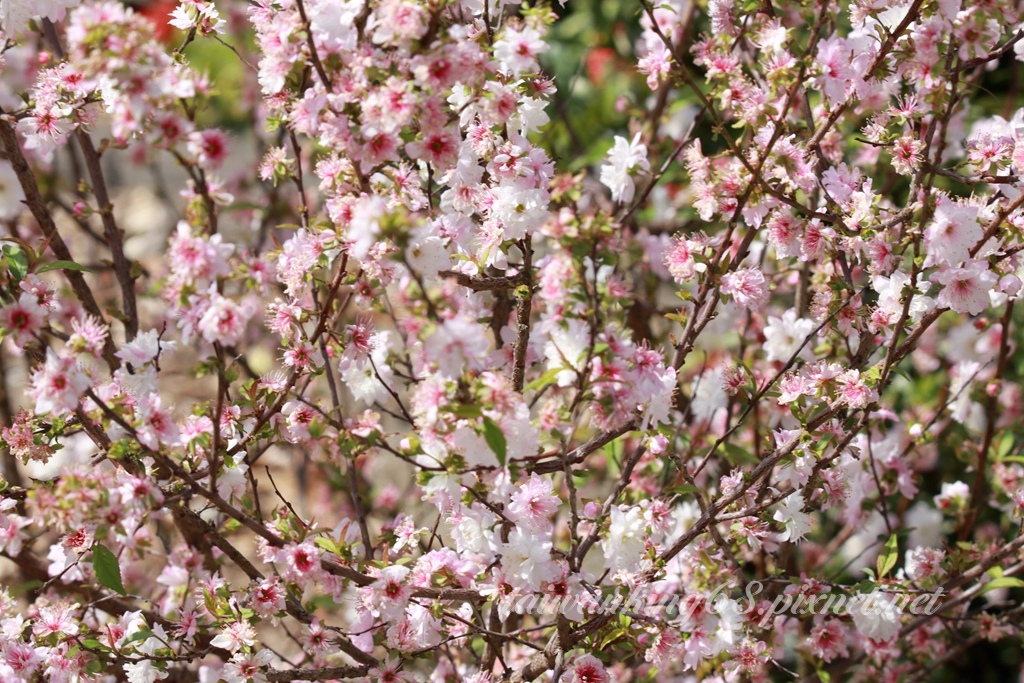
(314, 57)
(122, 268)
(326, 674)
(484, 283)
(36, 204)
(523, 309)
(978, 489)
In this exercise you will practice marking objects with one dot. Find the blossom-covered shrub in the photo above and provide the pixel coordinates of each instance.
(426, 383)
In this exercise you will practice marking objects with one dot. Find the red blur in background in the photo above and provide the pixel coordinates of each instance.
(158, 13)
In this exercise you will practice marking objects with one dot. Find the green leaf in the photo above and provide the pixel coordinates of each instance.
(887, 558)
(613, 636)
(107, 570)
(17, 262)
(466, 411)
(139, 637)
(327, 544)
(1005, 446)
(496, 440)
(544, 380)
(63, 265)
(1002, 582)
(738, 456)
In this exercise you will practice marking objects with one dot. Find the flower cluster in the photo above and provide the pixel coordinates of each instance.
(415, 355)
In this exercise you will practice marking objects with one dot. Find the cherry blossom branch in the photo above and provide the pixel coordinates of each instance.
(114, 236)
(978, 488)
(37, 206)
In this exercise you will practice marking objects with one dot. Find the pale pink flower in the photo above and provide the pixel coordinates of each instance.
(748, 287)
(922, 563)
(234, 636)
(835, 59)
(906, 154)
(58, 385)
(58, 618)
(89, 335)
(517, 50)
(390, 593)
(303, 560)
(145, 347)
(966, 288)
(224, 321)
(656, 65)
(853, 391)
(193, 258)
(209, 147)
(439, 147)
(23, 319)
(22, 658)
(156, 423)
(534, 503)
(589, 669)
(954, 230)
(679, 259)
(828, 640)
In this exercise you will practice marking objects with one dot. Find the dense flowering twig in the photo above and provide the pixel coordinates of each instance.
(409, 393)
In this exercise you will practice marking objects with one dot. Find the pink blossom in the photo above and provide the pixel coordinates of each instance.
(966, 289)
(517, 50)
(157, 424)
(534, 503)
(953, 232)
(656, 65)
(828, 640)
(747, 286)
(224, 321)
(23, 319)
(58, 385)
(589, 669)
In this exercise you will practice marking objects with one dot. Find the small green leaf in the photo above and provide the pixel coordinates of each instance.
(738, 456)
(1002, 582)
(496, 440)
(139, 637)
(17, 262)
(887, 558)
(684, 489)
(466, 411)
(63, 265)
(107, 570)
(544, 380)
(327, 544)
(613, 636)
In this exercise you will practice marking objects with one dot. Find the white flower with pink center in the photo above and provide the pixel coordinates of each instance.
(224, 321)
(966, 288)
(23, 319)
(58, 385)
